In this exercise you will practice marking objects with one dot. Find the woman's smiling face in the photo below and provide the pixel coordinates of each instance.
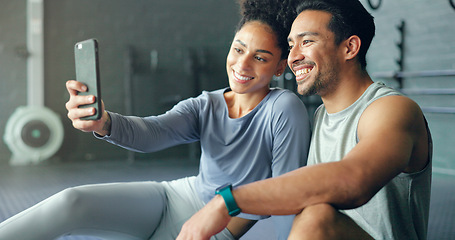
(253, 59)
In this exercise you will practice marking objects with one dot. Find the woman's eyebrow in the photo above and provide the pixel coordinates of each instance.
(258, 50)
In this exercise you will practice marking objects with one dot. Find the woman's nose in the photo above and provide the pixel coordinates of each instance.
(244, 62)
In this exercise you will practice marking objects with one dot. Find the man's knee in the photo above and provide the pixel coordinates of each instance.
(319, 216)
(322, 221)
(315, 222)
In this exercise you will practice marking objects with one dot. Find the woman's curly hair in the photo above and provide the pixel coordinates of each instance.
(275, 13)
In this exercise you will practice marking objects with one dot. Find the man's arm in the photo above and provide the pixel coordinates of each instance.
(388, 131)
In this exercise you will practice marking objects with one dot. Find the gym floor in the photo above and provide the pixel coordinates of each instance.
(22, 187)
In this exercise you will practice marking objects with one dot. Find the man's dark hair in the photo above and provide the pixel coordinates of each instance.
(268, 12)
(349, 17)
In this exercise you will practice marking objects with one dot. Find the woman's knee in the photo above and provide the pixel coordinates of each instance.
(71, 203)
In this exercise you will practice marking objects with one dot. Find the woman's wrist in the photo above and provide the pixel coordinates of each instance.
(106, 127)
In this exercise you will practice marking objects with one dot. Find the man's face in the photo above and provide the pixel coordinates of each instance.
(313, 57)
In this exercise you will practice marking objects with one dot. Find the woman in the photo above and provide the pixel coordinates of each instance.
(247, 132)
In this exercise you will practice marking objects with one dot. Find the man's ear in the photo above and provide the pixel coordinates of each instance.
(281, 67)
(352, 47)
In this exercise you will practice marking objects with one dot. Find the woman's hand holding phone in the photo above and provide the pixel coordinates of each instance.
(76, 114)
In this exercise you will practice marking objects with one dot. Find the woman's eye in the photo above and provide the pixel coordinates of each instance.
(238, 50)
(290, 47)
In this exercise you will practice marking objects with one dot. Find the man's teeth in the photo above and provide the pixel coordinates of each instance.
(242, 77)
(302, 71)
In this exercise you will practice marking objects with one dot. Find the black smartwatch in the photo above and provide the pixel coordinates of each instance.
(226, 192)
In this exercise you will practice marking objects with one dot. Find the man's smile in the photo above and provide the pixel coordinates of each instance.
(302, 72)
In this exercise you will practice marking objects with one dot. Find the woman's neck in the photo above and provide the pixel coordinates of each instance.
(240, 105)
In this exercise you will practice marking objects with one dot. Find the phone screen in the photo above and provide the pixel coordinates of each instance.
(87, 72)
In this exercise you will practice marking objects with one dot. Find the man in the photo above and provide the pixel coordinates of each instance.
(369, 166)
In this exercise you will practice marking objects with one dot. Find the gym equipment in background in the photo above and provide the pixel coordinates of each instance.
(34, 133)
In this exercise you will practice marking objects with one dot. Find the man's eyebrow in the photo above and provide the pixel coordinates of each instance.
(258, 50)
(304, 34)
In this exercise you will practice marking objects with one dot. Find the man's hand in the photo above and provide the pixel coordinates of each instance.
(75, 113)
(210, 220)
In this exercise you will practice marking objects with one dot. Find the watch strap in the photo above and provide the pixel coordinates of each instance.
(226, 192)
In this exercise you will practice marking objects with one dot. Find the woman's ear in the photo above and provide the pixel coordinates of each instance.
(281, 67)
(352, 46)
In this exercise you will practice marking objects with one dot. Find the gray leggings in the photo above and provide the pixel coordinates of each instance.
(137, 210)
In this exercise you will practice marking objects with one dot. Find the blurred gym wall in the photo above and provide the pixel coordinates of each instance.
(166, 51)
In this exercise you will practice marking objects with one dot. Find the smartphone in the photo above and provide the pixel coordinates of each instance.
(87, 72)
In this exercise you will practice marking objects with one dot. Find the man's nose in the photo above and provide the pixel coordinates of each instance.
(295, 55)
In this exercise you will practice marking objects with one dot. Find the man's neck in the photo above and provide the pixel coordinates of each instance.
(348, 90)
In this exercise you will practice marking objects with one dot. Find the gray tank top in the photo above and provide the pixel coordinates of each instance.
(400, 209)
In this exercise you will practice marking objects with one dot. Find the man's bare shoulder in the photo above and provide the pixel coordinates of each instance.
(399, 121)
(393, 108)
